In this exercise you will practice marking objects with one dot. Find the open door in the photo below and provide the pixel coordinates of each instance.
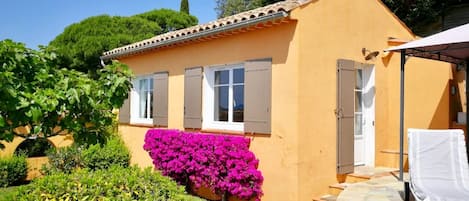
(355, 115)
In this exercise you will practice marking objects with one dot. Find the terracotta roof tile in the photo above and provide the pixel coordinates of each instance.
(278, 9)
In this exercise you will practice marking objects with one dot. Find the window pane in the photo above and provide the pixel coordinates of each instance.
(151, 105)
(238, 103)
(238, 75)
(143, 84)
(221, 103)
(359, 79)
(150, 87)
(358, 101)
(358, 124)
(142, 103)
(222, 77)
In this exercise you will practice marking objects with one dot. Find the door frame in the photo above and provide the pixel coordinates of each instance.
(369, 130)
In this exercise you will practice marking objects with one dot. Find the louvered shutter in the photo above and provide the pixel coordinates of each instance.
(193, 98)
(345, 116)
(124, 111)
(257, 96)
(160, 99)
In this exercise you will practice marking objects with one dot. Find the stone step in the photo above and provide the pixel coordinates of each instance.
(326, 198)
(361, 177)
(336, 189)
(363, 173)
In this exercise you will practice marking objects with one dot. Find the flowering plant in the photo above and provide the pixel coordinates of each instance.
(224, 163)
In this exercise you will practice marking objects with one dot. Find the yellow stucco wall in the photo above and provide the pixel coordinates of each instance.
(331, 30)
(277, 152)
(298, 160)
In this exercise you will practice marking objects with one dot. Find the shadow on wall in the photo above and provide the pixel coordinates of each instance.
(441, 117)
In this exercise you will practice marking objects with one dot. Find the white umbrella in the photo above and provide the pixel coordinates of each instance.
(450, 46)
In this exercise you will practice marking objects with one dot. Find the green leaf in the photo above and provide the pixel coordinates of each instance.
(11, 91)
(2, 121)
(36, 113)
(72, 95)
(37, 129)
(23, 103)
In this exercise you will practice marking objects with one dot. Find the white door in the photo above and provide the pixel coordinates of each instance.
(364, 129)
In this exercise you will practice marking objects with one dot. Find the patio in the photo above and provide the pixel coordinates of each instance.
(387, 188)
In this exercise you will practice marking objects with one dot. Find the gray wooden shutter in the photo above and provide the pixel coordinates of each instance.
(160, 99)
(345, 116)
(257, 96)
(124, 111)
(193, 98)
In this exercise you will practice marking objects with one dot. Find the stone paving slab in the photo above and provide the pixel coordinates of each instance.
(386, 188)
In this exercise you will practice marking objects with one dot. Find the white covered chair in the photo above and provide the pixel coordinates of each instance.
(438, 165)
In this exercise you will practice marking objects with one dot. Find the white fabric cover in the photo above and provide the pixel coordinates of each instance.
(451, 46)
(438, 165)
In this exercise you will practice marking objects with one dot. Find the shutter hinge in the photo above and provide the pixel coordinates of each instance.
(338, 112)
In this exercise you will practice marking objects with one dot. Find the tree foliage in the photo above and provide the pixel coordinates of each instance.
(46, 100)
(81, 44)
(415, 12)
(184, 6)
(169, 20)
(230, 7)
(419, 13)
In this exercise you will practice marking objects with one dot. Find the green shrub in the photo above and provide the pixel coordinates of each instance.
(64, 159)
(114, 152)
(13, 170)
(8, 193)
(97, 156)
(115, 183)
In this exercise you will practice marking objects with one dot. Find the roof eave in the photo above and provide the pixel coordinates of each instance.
(198, 35)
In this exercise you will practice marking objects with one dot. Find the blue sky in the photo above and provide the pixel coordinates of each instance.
(37, 22)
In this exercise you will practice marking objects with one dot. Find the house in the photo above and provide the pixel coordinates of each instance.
(307, 81)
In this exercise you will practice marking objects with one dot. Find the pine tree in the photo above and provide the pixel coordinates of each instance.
(184, 6)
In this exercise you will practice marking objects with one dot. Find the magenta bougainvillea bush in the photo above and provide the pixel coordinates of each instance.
(223, 163)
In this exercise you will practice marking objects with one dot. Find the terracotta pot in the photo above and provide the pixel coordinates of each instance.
(234, 198)
(205, 192)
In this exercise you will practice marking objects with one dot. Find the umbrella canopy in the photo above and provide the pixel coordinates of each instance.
(451, 46)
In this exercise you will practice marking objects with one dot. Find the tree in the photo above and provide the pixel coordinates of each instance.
(230, 7)
(184, 6)
(417, 14)
(169, 20)
(80, 45)
(48, 100)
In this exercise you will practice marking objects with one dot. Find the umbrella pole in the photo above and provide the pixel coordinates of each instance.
(467, 112)
(401, 122)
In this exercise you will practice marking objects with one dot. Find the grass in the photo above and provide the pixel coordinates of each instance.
(5, 193)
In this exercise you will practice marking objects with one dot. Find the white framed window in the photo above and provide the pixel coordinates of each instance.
(223, 100)
(141, 110)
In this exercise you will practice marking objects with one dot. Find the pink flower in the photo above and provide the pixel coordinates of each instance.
(224, 163)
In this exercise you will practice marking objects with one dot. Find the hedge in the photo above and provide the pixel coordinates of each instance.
(13, 170)
(114, 183)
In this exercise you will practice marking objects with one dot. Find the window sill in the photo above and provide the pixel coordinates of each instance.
(138, 125)
(221, 131)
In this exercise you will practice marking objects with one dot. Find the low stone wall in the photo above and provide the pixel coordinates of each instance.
(34, 166)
